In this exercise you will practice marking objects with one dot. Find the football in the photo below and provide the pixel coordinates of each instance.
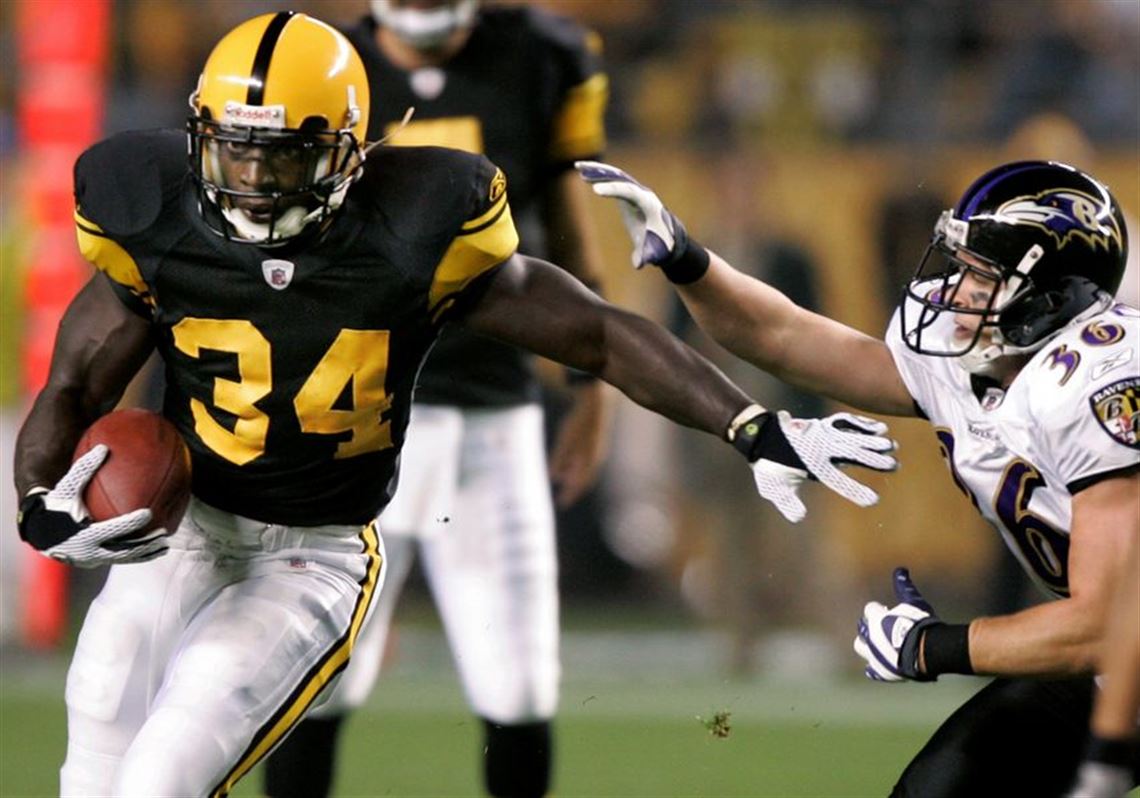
(148, 465)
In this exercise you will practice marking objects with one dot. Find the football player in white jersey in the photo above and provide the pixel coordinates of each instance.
(1008, 340)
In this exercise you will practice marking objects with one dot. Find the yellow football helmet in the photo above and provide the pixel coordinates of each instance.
(277, 128)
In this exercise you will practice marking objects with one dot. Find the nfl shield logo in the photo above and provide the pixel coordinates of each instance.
(278, 273)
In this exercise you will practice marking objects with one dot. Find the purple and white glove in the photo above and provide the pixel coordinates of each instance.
(658, 236)
(889, 639)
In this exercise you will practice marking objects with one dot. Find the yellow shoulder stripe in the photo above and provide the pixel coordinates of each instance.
(110, 258)
(471, 254)
(579, 128)
(487, 216)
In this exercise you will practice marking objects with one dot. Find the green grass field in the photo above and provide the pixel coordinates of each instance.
(630, 726)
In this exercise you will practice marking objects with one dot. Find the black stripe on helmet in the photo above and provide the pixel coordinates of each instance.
(255, 95)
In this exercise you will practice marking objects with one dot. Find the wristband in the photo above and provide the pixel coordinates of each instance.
(759, 436)
(1118, 751)
(26, 505)
(946, 649)
(688, 263)
(747, 414)
(33, 500)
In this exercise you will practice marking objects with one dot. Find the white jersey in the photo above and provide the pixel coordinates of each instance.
(1069, 418)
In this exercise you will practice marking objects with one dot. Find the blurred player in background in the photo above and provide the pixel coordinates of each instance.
(1107, 770)
(526, 89)
(1008, 340)
(293, 284)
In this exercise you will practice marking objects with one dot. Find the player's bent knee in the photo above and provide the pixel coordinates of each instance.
(102, 668)
(518, 759)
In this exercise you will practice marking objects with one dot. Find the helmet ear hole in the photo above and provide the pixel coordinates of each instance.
(314, 124)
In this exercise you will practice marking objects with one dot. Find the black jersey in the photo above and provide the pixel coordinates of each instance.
(290, 373)
(527, 91)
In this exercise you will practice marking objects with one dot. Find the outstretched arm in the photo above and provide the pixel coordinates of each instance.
(537, 306)
(749, 318)
(531, 304)
(581, 440)
(756, 322)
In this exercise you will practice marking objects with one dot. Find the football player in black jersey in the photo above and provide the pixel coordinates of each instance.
(526, 89)
(292, 281)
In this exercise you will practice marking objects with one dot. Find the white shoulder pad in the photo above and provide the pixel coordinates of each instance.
(1083, 394)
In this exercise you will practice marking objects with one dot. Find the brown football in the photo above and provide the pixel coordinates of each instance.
(148, 465)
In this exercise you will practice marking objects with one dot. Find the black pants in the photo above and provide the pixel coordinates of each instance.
(1014, 737)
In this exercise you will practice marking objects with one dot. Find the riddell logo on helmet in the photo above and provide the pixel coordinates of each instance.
(254, 115)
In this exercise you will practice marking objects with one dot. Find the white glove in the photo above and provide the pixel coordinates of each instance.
(655, 231)
(56, 523)
(785, 453)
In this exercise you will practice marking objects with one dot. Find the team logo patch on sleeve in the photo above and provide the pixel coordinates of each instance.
(498, 186)
(1117, 408)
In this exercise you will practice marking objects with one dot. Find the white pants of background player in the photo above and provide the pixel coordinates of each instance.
(474, 495)
(192, 667)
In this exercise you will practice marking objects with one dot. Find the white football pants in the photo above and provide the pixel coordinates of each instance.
(192, 667)
(474, 496)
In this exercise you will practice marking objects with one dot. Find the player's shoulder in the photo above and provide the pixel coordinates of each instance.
(123, 182)
(1094, 364)
(428, 189)
(549, 32)
(1086, 352)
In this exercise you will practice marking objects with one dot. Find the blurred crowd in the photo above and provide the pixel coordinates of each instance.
(811, 141)
(717, 72)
